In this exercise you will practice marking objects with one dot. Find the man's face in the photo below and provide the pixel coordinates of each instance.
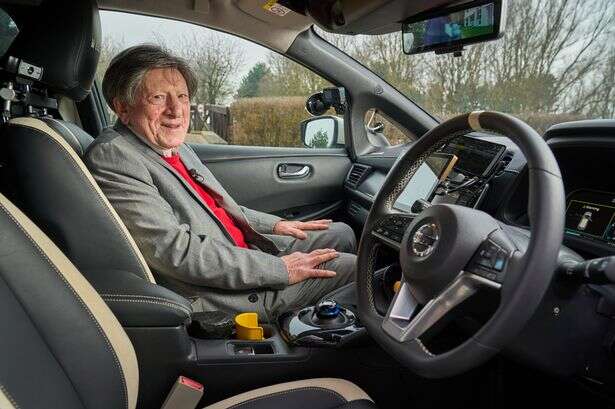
(161, 112)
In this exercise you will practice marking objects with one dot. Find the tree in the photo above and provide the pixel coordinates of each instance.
(601, 104)
(554, 47)
(320, 139)
(383, 54)
(454, 84)
(109, 48)
(250, 83)
(215, 60)
(287, 78)
(553, 59)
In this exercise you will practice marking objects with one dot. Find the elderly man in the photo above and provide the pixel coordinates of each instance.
(190, 230)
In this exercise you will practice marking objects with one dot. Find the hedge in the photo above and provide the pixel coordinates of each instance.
(274, 121)
(268, 121)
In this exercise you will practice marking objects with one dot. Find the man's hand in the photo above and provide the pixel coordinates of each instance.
(296, 229)
(302, 266)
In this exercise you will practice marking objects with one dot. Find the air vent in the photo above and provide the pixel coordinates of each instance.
(504, 162)
(356, 175)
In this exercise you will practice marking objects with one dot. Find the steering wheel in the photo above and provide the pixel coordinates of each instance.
(445, 248)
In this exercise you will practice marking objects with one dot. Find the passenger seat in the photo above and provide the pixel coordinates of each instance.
(53, 185)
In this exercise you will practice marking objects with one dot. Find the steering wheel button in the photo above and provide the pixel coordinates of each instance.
(498, 265)
(486, 253)
(485, 262)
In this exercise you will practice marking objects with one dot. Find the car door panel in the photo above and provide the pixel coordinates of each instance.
(293, 183)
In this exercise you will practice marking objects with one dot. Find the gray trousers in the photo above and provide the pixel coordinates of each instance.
(272, 303)
(340, 237)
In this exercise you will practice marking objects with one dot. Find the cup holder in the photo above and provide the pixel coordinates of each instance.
(264, 346)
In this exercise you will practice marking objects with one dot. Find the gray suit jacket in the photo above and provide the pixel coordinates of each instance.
(179, 236)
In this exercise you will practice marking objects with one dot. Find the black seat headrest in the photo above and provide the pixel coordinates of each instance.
(63, 38)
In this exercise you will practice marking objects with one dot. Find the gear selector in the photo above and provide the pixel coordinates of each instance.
(325, 324)
(327, 309)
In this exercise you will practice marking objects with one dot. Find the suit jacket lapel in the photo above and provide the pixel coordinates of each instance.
(155, 156)
(208, 181)
(224, 200)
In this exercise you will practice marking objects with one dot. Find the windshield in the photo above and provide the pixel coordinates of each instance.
(555, 63)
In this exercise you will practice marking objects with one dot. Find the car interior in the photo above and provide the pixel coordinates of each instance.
(484, 269)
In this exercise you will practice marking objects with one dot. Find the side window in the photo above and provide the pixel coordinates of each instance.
(248, 95)
(380, 129)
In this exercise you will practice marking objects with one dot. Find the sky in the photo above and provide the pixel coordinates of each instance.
(134, 29)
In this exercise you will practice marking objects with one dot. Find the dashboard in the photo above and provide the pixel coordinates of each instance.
(573, 331)
(584, 151)
(459, 173)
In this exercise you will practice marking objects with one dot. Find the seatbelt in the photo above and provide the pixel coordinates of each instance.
(185, 394)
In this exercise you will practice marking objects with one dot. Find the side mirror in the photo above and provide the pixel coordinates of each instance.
(323, 132)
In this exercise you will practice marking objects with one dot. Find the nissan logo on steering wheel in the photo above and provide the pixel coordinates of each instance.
(425, 239)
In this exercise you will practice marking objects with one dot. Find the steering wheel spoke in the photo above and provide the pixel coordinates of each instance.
(406, 321)
(390, 229)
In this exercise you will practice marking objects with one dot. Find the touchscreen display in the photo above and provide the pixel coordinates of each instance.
(425, 180)
(476, 156)
(591, 214)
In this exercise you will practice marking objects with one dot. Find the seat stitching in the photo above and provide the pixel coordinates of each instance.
(144, 296)
(68, 130)
(332, 392)
(111, 299)
(9, 396)
(101, 202)
(424, 348)
(79, 299)
(168, 304)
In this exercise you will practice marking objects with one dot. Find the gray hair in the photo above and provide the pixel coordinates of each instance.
(126, 71)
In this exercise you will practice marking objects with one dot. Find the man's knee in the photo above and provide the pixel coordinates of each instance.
(345, 268)
(344, 237)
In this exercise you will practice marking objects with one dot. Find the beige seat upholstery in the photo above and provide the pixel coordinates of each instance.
(62, 347)
(338, 390)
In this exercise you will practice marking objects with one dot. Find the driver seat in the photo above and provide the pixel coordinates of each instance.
(62, 347)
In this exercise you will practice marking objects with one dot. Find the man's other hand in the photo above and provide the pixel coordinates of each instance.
(297, 229)
(302, 266)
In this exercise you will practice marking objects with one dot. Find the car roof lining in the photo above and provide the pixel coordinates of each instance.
(244, 18)
(250, 20)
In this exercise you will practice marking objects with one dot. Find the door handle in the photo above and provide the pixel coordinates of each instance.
(285, 173)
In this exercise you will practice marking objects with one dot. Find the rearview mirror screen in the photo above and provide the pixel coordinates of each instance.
(453, 29)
